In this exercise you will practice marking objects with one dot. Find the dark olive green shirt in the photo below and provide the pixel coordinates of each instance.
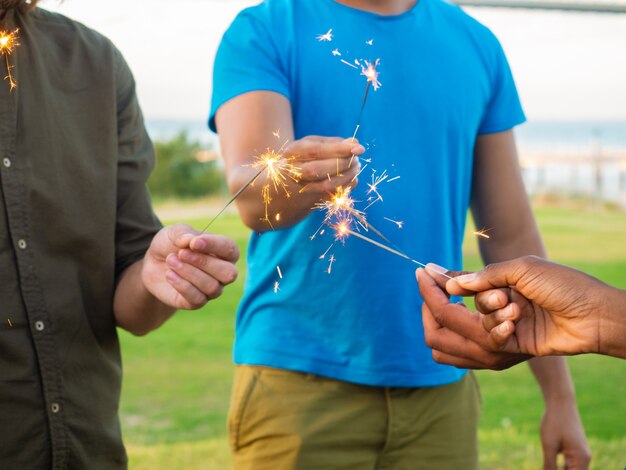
(74, 213)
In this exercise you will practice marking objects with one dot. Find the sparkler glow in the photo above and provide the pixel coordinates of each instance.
(482, 233)
(10, 323)
(279, 171)
(369, 71)
(8, 43)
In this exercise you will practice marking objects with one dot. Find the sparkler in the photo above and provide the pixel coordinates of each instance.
(8, 43)
(344, 231)
(279, 171)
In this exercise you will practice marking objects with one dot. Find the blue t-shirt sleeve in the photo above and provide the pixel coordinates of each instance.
(504, 110)
(248, 59)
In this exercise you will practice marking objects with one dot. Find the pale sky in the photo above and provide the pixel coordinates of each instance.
(568, 66)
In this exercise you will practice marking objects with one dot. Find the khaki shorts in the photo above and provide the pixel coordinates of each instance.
(281, 419)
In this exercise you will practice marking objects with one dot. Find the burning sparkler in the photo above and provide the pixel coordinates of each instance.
(8, 43)
(279, 170)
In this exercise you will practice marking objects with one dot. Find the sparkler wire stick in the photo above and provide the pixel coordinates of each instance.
(384, 247)
(232, 199)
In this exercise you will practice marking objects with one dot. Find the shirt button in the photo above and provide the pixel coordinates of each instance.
(6, 162)
(22, 244)
(40, 326)
(55, 407)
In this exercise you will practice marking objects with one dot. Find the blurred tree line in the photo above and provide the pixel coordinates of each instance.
(185, 170)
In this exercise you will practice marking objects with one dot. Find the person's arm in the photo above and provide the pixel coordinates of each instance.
(182, 269)
(246, 125)
(499, 201)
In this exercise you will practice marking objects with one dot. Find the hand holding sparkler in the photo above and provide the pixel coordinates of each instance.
(248, 124)
(184, 268)
(326, 163)
(529, 307)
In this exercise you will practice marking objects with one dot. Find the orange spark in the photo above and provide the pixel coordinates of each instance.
(336, 52)
(370, 42)
(8, 43)
(276, 287)
(280, 274)
(276, 133)
(279, 171)
(482, 233)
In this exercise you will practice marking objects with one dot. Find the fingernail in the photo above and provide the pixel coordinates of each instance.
(171, 276)
(357, 149)
(199, 244)
(466, 279)
(493, 300)
(173, 261)
(436, 268)
(503, 328)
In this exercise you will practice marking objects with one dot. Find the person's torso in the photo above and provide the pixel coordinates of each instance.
(357, 317)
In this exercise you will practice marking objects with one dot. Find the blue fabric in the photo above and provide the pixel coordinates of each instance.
(445, 80)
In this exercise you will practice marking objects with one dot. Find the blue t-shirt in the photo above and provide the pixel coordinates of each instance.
(445, 80)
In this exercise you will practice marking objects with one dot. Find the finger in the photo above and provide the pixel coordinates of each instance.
(504, 274)
(501, 335)
(224, 272)
(216, 245)
(510, 313)
(189, 297)
(550, 452)
(455, 317)
(331, 181)
(454, 288)
(451, 348)
(431, 290)
(315, 149)
(491, 300)
(441, 357)
(322, 170)
(202, 286)
(180, 235)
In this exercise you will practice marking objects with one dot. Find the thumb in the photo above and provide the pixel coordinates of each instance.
(181, 235)
(497, 275)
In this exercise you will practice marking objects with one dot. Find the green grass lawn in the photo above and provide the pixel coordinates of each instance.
(177, 379)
